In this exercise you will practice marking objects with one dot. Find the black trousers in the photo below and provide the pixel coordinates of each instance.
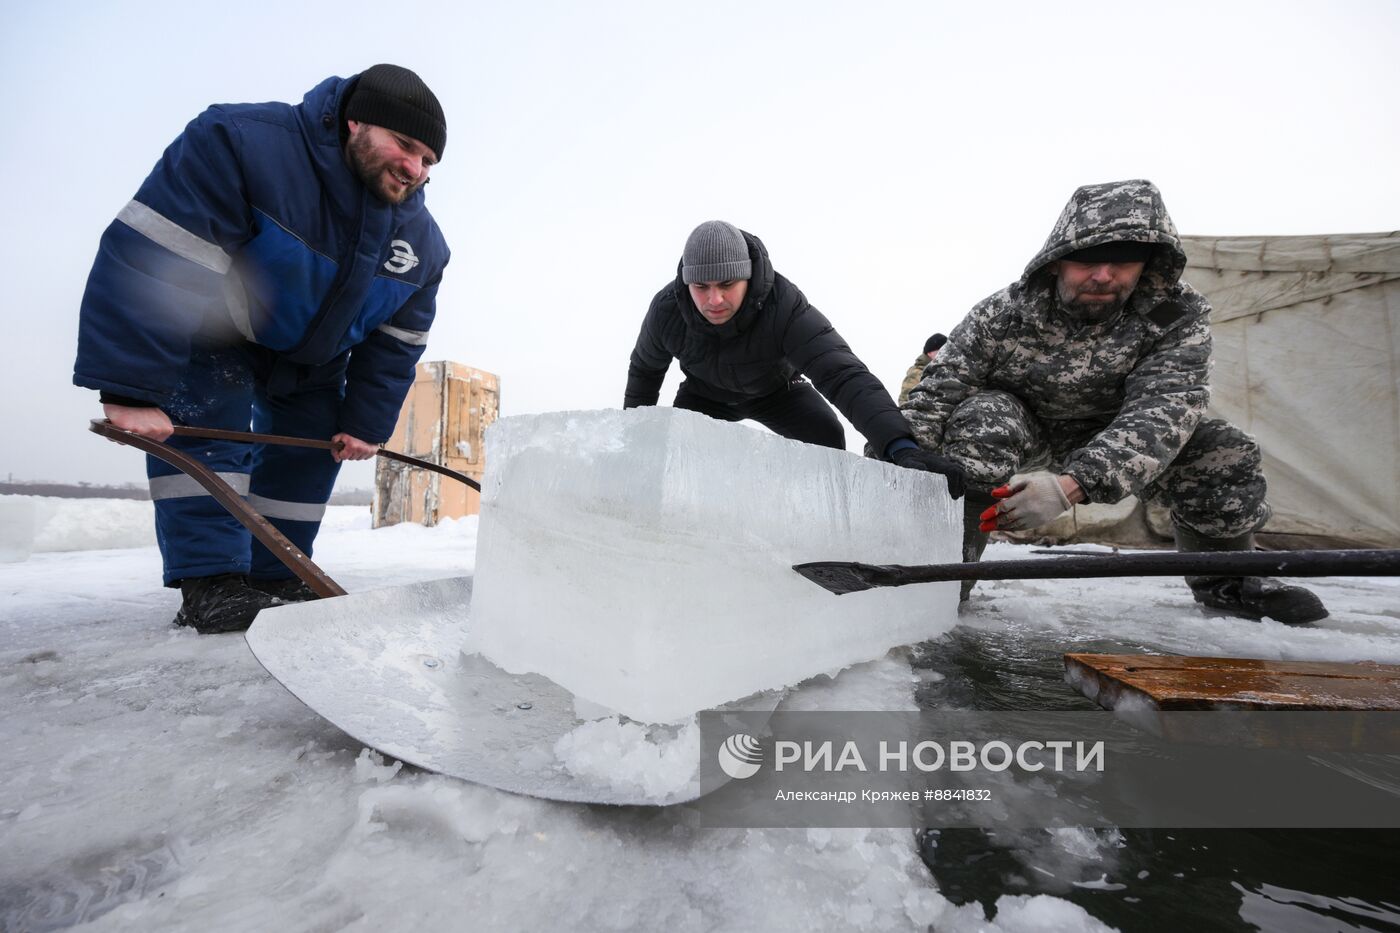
(798, 412)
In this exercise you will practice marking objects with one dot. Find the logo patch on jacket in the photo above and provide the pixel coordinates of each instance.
(403, 258)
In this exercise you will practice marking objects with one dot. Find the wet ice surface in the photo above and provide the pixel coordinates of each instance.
(154, 779)
(1006, 655)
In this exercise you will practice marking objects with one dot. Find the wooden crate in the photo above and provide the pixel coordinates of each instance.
(444, 420)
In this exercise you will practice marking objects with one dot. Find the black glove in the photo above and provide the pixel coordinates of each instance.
(916, 458)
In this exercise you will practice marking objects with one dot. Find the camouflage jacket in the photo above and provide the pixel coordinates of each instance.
(912, 377)
(1136, 385)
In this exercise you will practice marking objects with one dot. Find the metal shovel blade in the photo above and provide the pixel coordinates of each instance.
(386, 667)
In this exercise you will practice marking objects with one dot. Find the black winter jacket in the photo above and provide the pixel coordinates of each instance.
(774, 335)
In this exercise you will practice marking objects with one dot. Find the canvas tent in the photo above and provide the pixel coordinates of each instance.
(1307, 359)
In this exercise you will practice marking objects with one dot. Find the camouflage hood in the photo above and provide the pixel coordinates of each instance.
(1119, 210)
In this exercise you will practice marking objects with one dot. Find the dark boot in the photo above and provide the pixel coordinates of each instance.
(1250, 597)
(289, 590)
(222, 603)
(974, 542)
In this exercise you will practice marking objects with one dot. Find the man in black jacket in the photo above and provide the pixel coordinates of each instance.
(745, 336)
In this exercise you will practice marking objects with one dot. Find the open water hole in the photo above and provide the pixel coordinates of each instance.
(1202, 880)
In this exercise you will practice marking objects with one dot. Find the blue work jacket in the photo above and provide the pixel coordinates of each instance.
(253, 227)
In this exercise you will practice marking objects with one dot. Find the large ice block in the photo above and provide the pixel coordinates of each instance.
(642, 559)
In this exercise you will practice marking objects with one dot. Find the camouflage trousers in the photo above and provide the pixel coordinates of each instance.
(1215, 486)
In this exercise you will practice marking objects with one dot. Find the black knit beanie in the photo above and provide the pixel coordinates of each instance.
(397, 99)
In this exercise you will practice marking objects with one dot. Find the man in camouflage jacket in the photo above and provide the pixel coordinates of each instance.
(916, 369)
(1089, 376)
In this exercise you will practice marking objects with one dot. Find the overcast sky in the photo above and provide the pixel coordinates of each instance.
(900, 159)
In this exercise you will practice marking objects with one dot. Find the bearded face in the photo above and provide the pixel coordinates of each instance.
(390, 165)
(1096, 290)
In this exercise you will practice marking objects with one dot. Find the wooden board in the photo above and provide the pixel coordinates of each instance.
(1183, 683)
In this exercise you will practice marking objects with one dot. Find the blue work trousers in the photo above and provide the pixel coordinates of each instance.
(227, 387)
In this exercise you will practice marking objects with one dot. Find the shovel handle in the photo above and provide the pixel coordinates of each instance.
(276, 542)
(842, 577)
(282, 440)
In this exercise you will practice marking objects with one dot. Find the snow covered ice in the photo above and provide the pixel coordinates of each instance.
(642, 559)
(158, 780)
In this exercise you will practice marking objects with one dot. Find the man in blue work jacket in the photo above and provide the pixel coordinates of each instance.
(279, 267)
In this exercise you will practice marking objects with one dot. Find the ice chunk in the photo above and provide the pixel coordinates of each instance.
(642, 559)
(661, 760)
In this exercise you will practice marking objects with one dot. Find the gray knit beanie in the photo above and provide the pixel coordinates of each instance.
(715, 252)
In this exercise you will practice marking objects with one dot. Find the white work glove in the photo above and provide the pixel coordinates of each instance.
(1032, 501)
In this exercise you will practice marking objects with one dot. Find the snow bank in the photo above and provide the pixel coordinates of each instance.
(93, 524)
(18, 519)
(55, 524)
(48, 524)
